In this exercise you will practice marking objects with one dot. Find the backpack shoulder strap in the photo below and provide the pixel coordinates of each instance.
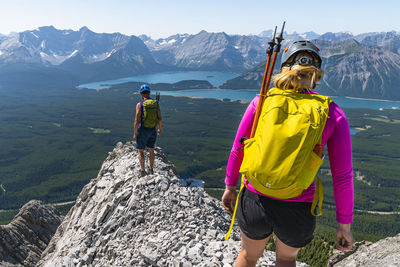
(141, 106)
(141, 113)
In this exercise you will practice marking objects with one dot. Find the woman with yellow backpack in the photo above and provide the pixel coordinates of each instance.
(280, 162)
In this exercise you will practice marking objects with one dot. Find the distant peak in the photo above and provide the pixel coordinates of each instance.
(144, 37)
(47, 28)
(84, 29)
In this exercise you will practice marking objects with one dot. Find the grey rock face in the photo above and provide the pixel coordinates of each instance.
(371, 72)
(209, 51)
(52, 46)
(385, 252)
(23, 240)
(122, 219)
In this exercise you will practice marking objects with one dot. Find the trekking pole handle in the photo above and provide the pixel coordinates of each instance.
(263, 87)
(271, 43)
(280, 39)
(277, 50)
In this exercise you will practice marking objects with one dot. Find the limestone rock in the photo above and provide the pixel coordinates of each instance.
(385, 252)
(122, 219)
(27, 235)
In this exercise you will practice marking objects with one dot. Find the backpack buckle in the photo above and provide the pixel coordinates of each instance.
(241, 141)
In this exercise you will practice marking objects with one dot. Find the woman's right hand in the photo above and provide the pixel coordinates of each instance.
(344, 236)
(229, 198)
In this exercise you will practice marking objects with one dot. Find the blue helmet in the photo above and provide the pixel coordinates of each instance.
(144, 88)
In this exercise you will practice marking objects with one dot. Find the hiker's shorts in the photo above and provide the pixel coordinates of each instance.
(146, 138)
(259, 216)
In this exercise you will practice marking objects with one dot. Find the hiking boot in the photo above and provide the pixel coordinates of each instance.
(143, 173)
(150, 171)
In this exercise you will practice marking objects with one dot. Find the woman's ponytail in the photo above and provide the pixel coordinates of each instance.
(290, 77)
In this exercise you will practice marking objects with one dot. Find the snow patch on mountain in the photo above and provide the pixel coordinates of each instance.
(99, 57)
(35, 35)
(74, 53)
(55, 59)
(164, 42)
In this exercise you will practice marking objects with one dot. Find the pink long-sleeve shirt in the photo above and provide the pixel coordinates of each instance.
(336, 135)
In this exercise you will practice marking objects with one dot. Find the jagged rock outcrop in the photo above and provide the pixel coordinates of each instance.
(385, 252)
(122, 219)
(23, 240)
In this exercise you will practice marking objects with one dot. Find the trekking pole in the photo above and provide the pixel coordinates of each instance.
(265, 88)
(261, 98)
(270, 50)
(263, 93)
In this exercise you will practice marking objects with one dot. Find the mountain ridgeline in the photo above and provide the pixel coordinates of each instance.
(83, 54)
(364, 65)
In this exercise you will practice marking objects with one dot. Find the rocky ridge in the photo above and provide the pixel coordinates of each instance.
(23, 240)
(122, 219)
(385, 252)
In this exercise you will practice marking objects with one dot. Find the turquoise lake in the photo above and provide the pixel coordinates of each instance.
(217, 78)
(214, 77)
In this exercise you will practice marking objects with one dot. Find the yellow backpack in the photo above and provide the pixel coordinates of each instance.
(279, 160)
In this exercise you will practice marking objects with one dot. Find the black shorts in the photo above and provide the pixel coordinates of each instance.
(259, 216)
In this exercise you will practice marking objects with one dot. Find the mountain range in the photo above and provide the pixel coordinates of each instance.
(367, 65)
(84, 54)
(363, 65)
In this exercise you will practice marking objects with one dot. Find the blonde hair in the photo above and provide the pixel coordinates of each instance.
(290, 77)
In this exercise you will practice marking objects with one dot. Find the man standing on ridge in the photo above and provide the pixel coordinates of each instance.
(148, 116)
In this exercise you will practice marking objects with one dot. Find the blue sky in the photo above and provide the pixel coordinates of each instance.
(163, 18)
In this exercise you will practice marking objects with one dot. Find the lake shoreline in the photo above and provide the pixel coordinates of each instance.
(247, 95)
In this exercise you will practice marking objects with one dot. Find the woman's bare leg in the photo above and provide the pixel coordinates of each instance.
(285, 255)
(250, 252)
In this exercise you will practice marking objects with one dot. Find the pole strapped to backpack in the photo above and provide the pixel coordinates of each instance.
(269, 67)
(234, 211)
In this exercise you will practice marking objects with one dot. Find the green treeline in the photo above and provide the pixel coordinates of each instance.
(50, 149)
